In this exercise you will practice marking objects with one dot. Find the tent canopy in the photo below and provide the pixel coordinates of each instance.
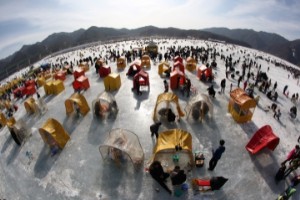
(199, 105)
(53, 133)
(168, 141)
(167, 98)
(125, 141)
(105, 105)
(78, 99)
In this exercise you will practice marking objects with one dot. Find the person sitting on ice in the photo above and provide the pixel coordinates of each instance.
(293, 112)
(178, 176)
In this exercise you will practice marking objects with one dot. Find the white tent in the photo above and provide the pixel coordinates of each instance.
(199, 106)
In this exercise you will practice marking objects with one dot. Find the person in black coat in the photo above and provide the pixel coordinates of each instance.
(211, 91)
(158, 174)
(154, 129)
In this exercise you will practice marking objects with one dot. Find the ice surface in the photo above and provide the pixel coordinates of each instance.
(79, 172)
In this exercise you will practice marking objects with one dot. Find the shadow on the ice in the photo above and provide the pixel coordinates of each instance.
(139, 98)
(99, 130)
(122, 181)
(13, 154)
(249, 128)
(48, 98)
(71, 122)
(6, 143)
(267, 165)
(44, 162)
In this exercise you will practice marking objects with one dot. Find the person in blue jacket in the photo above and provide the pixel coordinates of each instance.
(216, 156)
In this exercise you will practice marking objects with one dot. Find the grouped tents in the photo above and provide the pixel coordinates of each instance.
(198, 106)
(241, 106)
(77, 100)
(174, 142)
(54, 134)
(263, 137)
(105, 105)
(167, 101)
(121, 144)
(19, 132)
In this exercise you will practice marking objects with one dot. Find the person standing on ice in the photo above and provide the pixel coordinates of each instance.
(217, 154)
(154, 129)
(166, 85)
(223, 85)
(285, 88)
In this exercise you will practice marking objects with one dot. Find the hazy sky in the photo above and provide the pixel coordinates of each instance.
(30, 21)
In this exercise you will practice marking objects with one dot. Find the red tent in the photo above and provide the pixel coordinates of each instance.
(143, 78)
(264, 137)
(134, 68)
(29, 82)
(78, 72)
(81, 83)
(104, 70)
(178, 59)
(205, 73)
(178, 65)
(176, 76)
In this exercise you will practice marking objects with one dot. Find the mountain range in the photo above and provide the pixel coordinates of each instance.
(267, 42)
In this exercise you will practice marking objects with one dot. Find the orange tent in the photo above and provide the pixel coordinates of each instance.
(241, 106)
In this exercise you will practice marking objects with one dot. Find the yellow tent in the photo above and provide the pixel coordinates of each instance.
(163, 66)
(190, 64)
(174, 142)
(9, 122)
(54, 87)
(112, 82)
(41, 81)
(121, 62)
(31, 106)
(53, 133)
(78, 99)
(241, 106)
(145, 61)
(167, 98)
